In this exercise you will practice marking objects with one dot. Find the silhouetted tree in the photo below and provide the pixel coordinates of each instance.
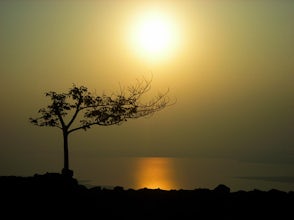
(80, 109)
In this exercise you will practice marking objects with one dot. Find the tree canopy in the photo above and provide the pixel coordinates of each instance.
(98, 110)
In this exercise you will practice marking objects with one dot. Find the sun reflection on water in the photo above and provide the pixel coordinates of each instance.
(155, 172)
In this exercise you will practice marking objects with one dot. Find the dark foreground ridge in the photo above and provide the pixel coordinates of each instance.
(54, 196)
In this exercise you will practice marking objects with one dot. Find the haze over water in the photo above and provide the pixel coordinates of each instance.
(183, 173)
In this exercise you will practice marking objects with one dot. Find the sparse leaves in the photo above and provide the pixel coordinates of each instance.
(97, 110)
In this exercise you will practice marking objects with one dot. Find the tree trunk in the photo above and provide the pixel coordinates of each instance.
(66, 171)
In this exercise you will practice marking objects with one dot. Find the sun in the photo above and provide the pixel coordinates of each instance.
(154, 35)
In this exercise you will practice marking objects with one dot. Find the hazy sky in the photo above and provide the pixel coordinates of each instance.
(229, 64)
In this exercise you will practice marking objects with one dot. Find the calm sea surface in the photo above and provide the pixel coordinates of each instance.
(183, 173)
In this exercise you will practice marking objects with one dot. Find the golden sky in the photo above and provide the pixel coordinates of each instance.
(229, 64)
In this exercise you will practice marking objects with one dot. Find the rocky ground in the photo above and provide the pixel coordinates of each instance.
(56, 196)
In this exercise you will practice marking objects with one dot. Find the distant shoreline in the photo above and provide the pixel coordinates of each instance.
(280, 179)
(112, 187)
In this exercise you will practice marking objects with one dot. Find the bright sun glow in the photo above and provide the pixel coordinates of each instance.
(154, 35)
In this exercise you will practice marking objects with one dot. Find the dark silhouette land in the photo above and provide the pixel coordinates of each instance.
(58, 196)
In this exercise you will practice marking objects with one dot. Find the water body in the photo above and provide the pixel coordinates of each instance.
(183, 173)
